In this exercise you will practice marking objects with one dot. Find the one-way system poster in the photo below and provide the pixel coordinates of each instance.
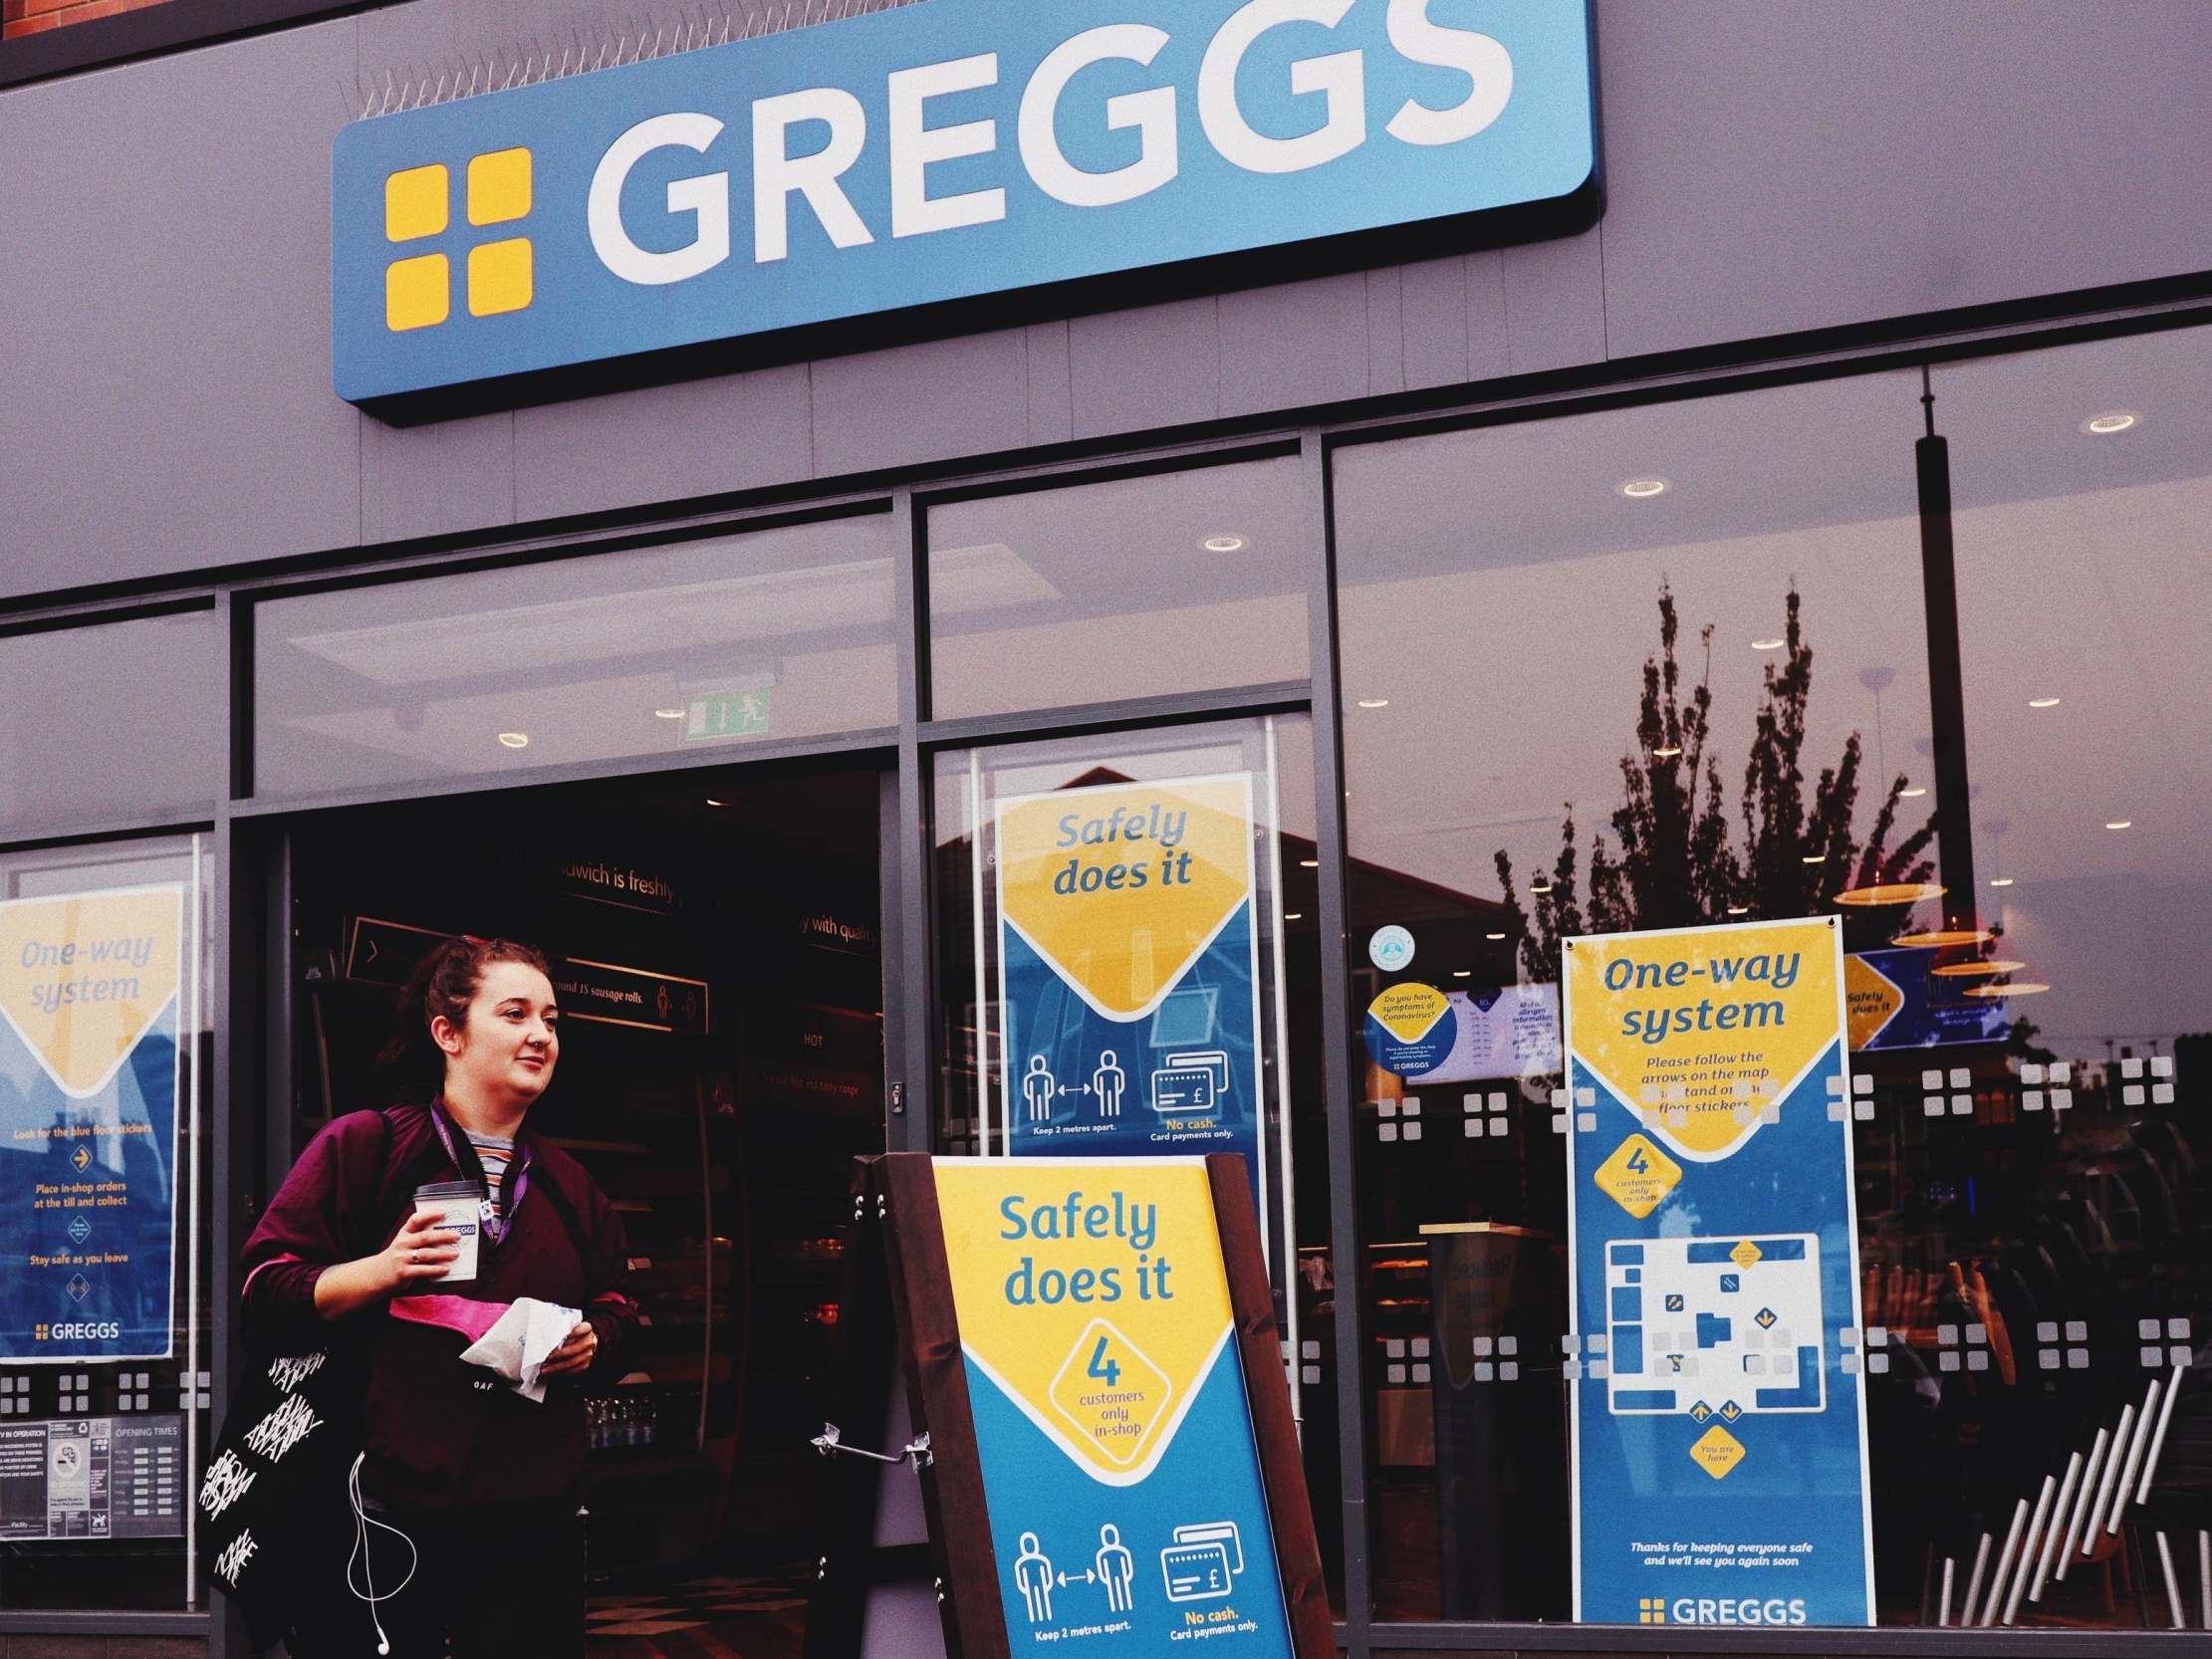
(89, 1069)
(1720, 1427)
(1130, 970)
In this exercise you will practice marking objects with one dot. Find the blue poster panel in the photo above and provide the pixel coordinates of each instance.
(1719, 1425)
(1902, 999)
(88, 1072)
(1128, 961)
(1127, 1510)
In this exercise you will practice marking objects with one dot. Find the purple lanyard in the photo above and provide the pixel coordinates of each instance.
(495, 1225)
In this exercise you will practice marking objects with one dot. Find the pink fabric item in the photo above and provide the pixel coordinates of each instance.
(470, 1318)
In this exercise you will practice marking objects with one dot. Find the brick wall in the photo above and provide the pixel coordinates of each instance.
(28, 17)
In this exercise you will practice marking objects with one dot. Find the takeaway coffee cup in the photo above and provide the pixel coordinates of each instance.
(458, 1207)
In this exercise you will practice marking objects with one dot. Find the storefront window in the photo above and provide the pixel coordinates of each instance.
(1663, 675)
(1170, 1008)
(106, 1383)
(112, 722)
(2071, 1201)
(703, 646)
(1135, 587)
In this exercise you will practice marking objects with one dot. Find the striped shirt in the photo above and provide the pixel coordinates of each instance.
(495, 1153)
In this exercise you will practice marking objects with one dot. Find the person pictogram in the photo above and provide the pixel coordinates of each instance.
(1033, 1576)
(1114, 1567)
(1037, 1088)
(1106, 1085)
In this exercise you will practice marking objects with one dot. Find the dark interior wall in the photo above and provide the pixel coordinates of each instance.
(1773, 166)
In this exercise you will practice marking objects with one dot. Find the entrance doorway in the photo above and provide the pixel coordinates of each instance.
(716, 946)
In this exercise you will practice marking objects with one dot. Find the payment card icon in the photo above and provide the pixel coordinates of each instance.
(1191, 1082)
(1202, 1560)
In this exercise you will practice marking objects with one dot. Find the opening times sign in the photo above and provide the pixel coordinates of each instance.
(1719, 1425)
(88, 1083)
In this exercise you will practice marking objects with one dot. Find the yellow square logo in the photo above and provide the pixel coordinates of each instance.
(416, 293)
(1650, 1610)
(499, 187)
(1637, 1176)
(499, 277)
(415, 203)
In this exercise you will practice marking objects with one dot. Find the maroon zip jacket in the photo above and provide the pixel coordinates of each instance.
(441, 1433)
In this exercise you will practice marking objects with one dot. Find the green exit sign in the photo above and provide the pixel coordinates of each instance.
(726, 714)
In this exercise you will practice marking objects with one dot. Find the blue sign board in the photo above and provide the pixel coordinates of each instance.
(1898, 1001)
(928, 154)
(89, 1069)
(1130, 971)
(1128, 1511)
(1719, 1420)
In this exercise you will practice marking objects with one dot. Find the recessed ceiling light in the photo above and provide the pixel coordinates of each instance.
(1739, 910)
(1643, 489)
(1226, 542)
(515, 740)
(1463, 973)
(668, 714)
(1493, 936)
(1540, 885)
(1814, 859)
(1308, 863)
(2043, 702)
(1768, 644)
(2000, 882)
(1294, 915)
(1667, 752)
(2111, 421)
(711, 801)
(1912, 794)
(1375, 702)
(2119, 823)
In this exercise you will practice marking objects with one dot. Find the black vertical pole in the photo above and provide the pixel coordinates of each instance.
(1954, 828)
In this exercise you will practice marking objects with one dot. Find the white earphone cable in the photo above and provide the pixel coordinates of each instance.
(362, 1523)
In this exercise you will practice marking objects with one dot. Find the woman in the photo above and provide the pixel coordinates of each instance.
(462, 1521)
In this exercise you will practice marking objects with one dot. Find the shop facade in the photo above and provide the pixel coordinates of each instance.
(1808, 525)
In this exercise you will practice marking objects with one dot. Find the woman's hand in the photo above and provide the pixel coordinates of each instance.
(575, 1352)
(422, 1249)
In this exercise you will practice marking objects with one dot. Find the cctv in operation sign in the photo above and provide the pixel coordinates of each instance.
(930, 155)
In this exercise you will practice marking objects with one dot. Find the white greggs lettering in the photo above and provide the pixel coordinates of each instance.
(1705, 1609)
(1337, 83)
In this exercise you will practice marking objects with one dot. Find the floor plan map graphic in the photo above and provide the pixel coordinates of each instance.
(1725, 1328)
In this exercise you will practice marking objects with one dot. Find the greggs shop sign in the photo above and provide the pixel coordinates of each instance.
(930, 153)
